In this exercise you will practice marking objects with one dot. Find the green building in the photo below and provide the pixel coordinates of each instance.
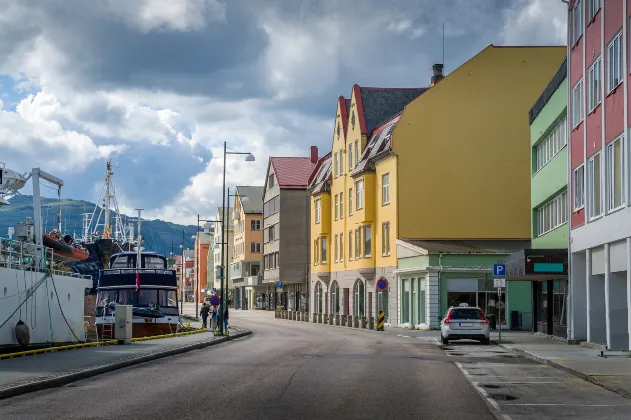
(434, 275)
(545, 263)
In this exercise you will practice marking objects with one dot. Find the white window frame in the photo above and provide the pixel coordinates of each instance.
(318, 210)
(342, 205)
(579, 188)
(367, 236)
(342, 247)
(350, 201)
(551, 145)
(323, 253)
(590, 187)
(359, 192)
(552, 214)
(594, 81)
(342, 162)
(350, 245)
(337, 206)
(592, 8)
(350, 156)
(614, 68)
(577, 21)
(610, 176)
(578, 96)
(385, 239)
(356, 152)
(335, 248)
(335, 165)
(385, 189)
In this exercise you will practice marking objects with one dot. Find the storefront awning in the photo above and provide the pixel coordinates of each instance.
(537, 264)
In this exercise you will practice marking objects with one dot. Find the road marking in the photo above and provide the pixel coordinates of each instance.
(566, 405)
(482, 391)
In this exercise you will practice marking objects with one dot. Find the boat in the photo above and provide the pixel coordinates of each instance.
(153, 299)
(41, 303)
(64, 247)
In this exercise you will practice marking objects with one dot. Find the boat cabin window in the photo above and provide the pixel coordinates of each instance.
(124, 261)
(154, 262)
(167, 298)
(147, 297)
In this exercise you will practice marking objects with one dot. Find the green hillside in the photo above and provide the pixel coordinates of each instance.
(158, 234)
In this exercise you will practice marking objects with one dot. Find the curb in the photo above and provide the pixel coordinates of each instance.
(589, 378)
(493, 408)
(52, 382)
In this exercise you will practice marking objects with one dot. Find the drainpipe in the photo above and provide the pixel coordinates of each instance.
(440, 264)
(570, 207)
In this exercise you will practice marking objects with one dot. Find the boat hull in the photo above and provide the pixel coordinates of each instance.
(65, 295)
(142, 327)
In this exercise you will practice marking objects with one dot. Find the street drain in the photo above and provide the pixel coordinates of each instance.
(456, 354)
(491, 386)
(503, 397)
(477, 374)
(507, 356)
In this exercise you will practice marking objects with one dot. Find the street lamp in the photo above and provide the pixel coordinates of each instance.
(248, 158)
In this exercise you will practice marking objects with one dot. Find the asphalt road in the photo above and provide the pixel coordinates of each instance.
(285, 370)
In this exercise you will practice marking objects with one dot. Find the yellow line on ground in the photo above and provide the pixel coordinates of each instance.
(54, 349)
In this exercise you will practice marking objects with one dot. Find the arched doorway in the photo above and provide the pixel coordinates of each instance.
(319, 298)
(335, 298)
(359, 299)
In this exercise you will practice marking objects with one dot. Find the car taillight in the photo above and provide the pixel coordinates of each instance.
(448, 319)
(484, 320)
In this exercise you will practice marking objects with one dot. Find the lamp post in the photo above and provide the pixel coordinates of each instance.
(248, 158)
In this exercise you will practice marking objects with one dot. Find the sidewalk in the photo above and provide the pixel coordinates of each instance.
(32, 373)
(612, 373)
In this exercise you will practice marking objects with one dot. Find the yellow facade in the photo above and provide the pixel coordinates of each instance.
(244, 235)
(463, 148)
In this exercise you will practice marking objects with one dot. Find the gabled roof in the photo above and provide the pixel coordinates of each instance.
(291, 172)
(321, 174)
(375, 105)
(380, 141)
(254, 203)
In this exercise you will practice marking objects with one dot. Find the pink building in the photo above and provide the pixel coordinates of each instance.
(598, 119)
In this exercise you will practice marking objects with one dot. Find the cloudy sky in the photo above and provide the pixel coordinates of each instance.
(159, 85)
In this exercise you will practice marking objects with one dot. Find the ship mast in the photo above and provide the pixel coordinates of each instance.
(107, 229)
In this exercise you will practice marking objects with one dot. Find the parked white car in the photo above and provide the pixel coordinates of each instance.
(464, 323)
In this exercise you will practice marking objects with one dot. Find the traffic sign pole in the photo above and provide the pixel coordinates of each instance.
(499, 312)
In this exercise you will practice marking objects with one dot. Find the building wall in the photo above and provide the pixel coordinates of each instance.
(320, 230)
(459, 135)
(385, 213)
(294, 236)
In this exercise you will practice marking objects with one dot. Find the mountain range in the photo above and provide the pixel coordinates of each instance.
(160, 236)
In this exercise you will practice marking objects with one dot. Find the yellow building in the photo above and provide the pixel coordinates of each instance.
(449, 162)
(245, 270)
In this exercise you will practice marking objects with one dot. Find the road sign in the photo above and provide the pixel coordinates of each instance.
(382, 283)
(279, 284)
(215, 301)
(499, 270)
(381, 321)
(499, 282)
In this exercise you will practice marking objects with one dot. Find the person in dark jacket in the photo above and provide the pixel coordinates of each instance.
(204, 313)
(225, 320)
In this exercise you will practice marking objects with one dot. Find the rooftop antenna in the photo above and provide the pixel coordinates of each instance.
(443, 43)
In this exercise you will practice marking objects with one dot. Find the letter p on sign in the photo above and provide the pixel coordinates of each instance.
(499, 270)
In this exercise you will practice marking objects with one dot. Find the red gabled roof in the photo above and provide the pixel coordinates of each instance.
(292, 172)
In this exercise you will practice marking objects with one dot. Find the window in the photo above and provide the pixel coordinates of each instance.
(615, 196)
(255, 247)
(341, 247)
(335, 248)
(385, 238)
(350, 244)
(359, 188)
(552, 214)
(356, 151)
(270, 181)
(592, 8)
(316, 254)
(579, 188)
(594, 85)
(594, 194)
(337, 206)
(367, 238)
(614, 63)
(255, 224)
(323, 250)
(357, 243)
(341, 205)
(577, 104)
(350, 156)
(335, 165)
(269, 234)
(577, 21)
(318, 206)
(350, 201)
(341, 162)
(385, 189)
(551, 144)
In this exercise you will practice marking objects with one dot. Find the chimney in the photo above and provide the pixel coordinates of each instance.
(314, 154)
(437, 69)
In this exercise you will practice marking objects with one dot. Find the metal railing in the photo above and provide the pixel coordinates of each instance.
(23, 256)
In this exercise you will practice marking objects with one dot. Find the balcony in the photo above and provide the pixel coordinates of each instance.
(253, 281)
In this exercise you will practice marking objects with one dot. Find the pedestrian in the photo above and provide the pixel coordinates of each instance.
(213, 321)
(225, 320)
(204, 313)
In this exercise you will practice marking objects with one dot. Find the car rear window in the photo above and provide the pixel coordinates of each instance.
(465, 313)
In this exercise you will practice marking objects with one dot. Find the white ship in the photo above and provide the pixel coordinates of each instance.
(40, 302)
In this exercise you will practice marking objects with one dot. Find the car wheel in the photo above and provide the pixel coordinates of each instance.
(486, 341)
(444, 340)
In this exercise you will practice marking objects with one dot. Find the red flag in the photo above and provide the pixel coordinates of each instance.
(137, 283)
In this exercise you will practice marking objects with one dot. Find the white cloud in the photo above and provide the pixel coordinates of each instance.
(536, 22)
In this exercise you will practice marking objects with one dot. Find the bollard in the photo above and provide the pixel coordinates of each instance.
(326, 318)
(315, 317)
(337, 319)
(349, 321)
(356, 322)
(381, 321)
(363, 322)
(342, 320)
(319, 318)
(331, 319)
(371, 323)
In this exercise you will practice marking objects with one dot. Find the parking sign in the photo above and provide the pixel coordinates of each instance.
(499, 270)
